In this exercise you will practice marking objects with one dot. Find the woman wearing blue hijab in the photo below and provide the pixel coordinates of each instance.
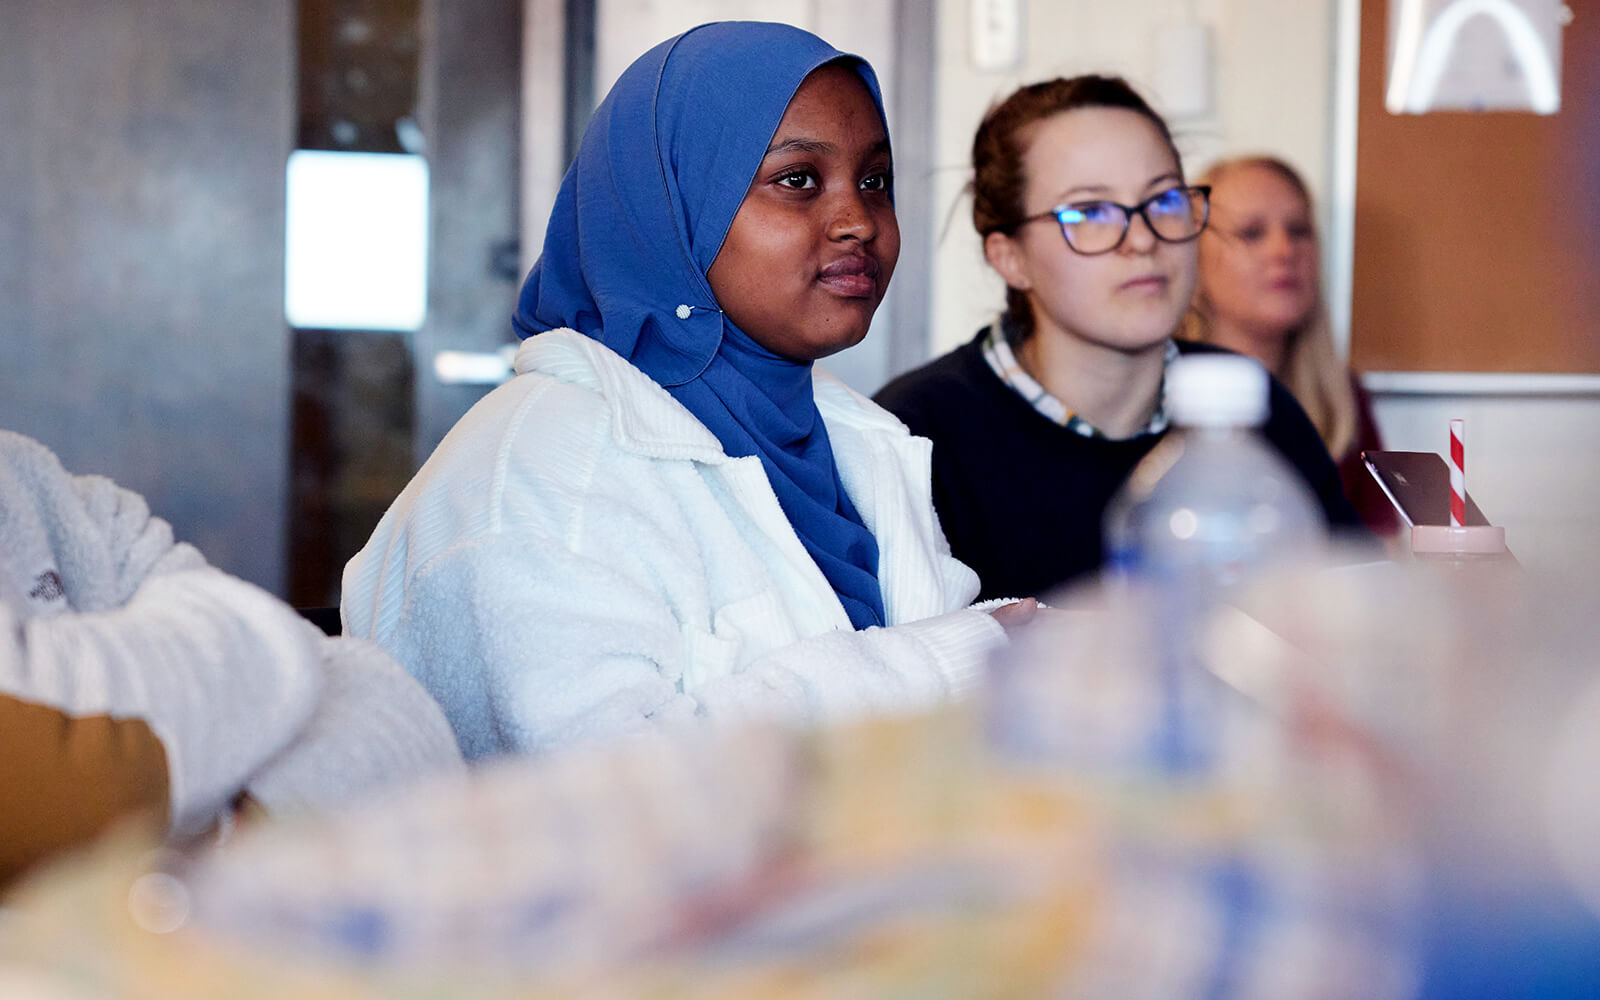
(668, 512)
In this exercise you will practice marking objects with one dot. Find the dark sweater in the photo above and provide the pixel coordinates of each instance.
(1021, 498)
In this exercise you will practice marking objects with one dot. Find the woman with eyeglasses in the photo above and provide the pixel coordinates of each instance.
(668, 514)
(1260, 293)
(1079, 195)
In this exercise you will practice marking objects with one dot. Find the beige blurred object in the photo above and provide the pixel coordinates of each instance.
(878, 858)
(1480, 685)
(1376, 722)
(892, 858)
(22, 983)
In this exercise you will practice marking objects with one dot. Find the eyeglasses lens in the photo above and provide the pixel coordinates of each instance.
(1094, 227)
(1097, 227)
(1175, 215)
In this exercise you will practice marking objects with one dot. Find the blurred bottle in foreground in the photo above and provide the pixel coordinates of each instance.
(1479, 694)
(1211, 508)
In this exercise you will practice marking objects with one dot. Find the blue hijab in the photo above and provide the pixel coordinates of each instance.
(642, 213)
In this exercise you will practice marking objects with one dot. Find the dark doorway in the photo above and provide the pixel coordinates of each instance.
(438, 78)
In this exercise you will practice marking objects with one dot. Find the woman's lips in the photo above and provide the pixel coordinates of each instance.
(854, 277)
(1145, 283)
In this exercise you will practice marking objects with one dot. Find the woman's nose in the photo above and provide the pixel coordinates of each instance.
(851, 218)
(1140, 238)
(1280, 245)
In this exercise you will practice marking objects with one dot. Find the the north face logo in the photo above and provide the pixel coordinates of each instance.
(48, 587)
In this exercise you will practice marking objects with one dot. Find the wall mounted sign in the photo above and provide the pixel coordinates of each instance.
(1475, 55)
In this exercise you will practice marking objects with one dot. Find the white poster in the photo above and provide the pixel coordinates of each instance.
(1475, 55)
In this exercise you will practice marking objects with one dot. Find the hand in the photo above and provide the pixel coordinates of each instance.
(1016, 614)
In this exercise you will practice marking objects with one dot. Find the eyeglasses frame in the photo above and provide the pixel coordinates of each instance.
(1128, 212)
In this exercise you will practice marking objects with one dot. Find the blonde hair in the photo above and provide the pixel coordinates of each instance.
(1310, 368)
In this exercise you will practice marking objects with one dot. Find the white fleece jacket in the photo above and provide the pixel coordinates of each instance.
(102, 613)
(579, 558)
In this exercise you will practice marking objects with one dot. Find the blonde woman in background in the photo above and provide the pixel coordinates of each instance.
(1260, 293)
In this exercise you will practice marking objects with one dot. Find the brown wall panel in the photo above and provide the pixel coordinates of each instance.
(1477, 236)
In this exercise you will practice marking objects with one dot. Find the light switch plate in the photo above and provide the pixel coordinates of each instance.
(996, 31)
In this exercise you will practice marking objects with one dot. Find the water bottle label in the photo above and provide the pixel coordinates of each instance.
(1123, 561)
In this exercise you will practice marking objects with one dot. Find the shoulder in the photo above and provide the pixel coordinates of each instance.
(1285, 413)
(939, 386)
(31, 479)
(581, 373)
(523, 452)
(1200, 347)
(576, 420)
(18, 448)
(841, 405)
(532, 407)
(1363, 400)
(28, 467)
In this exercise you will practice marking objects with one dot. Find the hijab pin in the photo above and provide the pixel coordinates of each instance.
(684, 311)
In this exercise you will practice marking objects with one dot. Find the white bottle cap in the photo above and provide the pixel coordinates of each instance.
(1216, 390)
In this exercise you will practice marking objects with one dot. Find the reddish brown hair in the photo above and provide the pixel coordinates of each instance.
(998, 181)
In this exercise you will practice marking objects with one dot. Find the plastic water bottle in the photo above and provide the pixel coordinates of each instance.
(1212, 506)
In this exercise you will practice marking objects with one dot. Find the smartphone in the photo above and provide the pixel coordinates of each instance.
(1418, 484)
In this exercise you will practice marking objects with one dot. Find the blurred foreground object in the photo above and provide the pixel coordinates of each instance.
(1211, 508)
(1451, 708)
(1402, 806)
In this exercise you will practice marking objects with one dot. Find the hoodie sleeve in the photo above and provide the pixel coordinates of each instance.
(222, 672)
(112, 626)
(373, 726)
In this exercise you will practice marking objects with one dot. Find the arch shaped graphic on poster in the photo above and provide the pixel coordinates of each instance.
(1421, 57)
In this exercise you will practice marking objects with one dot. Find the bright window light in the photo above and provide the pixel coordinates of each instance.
(357, 246)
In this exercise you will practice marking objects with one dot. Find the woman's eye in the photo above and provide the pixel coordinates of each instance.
(1300, 232)
(1095, 211)
(1174, 202)
(877, 182)
(798, 180)
(1250, 234)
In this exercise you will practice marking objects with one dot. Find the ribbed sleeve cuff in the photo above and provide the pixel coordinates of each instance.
(960, 643)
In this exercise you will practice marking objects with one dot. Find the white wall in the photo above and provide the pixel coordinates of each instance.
(1531, 445)
(625, 29)
(1271, 83)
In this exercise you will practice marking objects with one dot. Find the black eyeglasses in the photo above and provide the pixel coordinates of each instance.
(1176, 215)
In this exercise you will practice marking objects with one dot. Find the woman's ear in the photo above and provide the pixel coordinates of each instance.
(1005, 256)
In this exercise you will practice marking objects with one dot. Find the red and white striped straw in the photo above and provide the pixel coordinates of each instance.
(1458, 475)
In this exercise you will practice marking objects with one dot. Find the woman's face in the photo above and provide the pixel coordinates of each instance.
(1258, 258)
(810, 253)
(1127, 300)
